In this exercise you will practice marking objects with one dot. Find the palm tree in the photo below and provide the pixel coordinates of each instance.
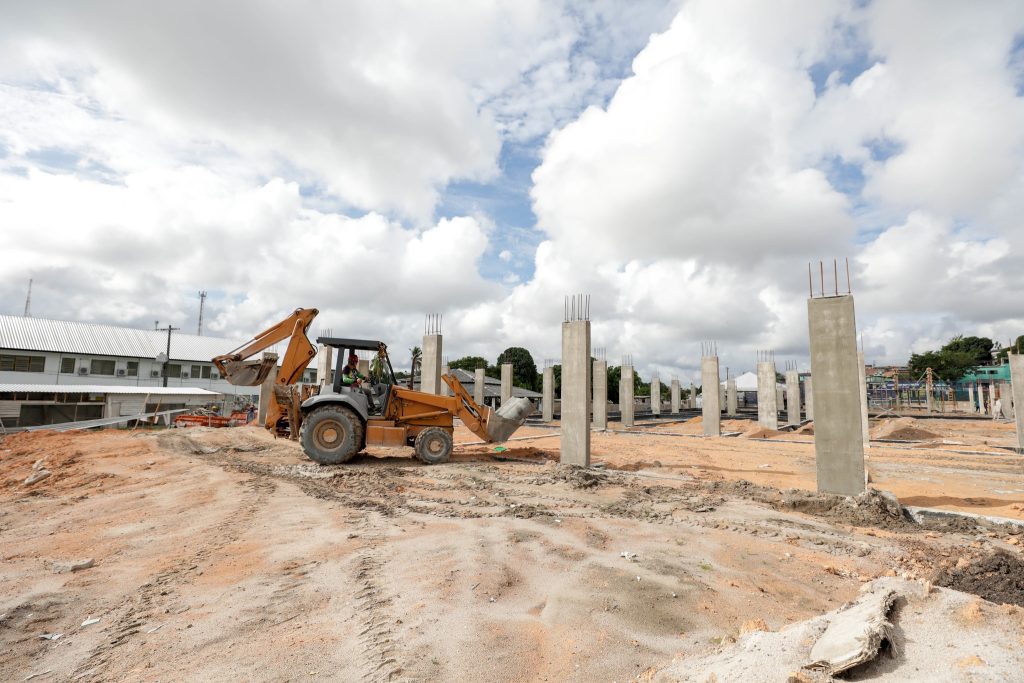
(417, 358)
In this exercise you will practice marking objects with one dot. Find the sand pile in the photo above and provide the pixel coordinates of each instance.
(902, 429)
(758, 432)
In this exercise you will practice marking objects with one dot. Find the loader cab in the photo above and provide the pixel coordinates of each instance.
(381, 384)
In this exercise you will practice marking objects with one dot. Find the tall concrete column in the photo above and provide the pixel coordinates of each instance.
(266, 390)
(479, 382)
(506, 382)
(693, 397)
(970, 399)
(1017, 390)
(577, 398)
(1006, 393)
(363, 367)
(430, 364)
(767, 398)
(731, 400)
(838, 435)
(600, 382)
(548, 395)
(792, 397)
(324, 365)
(809, 398)
(721, 396)
(675, 393)
(981, 399)
(445, 389)
(863, 384)
(711, 410)
(626, 396)
(656, 396)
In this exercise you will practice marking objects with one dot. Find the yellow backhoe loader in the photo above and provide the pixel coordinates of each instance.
(340, 421)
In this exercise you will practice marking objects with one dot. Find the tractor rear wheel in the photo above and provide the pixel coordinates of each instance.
(434, 446)
(332, 434)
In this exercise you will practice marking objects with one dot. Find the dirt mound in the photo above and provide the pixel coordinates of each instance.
(902, 429)
(758, 432)
(579, 477)
(806, 429)
(997, 577)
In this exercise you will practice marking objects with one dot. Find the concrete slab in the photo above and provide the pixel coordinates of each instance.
(600, 382)
(767, 398)
(711, 409)
(577, 397)
(838, 434)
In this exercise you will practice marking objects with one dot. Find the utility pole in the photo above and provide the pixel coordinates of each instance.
(28, 300)
(169, 329)
(202, 304)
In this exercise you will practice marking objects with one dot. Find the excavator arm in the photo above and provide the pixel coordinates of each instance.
(237, 370)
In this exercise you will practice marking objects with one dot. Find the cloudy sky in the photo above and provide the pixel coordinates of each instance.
(681, 161)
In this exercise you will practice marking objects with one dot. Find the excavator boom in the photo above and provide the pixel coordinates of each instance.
(237, 370)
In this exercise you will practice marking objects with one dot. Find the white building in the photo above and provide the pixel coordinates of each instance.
(61, 352)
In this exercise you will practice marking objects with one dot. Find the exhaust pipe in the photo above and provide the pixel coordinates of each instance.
(503, 423)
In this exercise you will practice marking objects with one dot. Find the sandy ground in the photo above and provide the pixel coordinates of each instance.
(226, 555)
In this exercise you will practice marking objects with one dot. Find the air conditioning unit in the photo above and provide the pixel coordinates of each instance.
(154, 373)
(184, 375)
(83, 371)
(120, 373)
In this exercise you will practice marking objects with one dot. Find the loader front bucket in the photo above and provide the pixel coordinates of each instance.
(502, 423)
(249, 373)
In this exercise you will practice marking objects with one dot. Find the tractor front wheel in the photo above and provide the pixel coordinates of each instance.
(332, 434)
(434, 446)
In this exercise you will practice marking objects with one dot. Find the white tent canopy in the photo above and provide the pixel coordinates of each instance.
(745, 382)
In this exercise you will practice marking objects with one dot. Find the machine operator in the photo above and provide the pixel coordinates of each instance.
(355, 380)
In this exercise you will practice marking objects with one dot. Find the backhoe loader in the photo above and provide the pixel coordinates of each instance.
(340, 421)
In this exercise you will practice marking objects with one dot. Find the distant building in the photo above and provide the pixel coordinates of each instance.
(62, 352)
(492, 387)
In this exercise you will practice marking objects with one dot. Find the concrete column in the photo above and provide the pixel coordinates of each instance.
(656, 396)
(721, 396)
(266, 390)
(479, 382)
(626, 396)
(731, 400)
(863, 384)
(324, 365)
(981, 399)
(838, 436)
(970, 399)
(577, 398)
(600, 381)
(430, 365)
(506, 382)
(767, 398)
(780, 399)
(809, 398)
(1006, 394)
(363, 366)
(692, 403)
(548, 395)
(675, 393)
(711, 409)
(792, 397)
(1017, 390)
(445, 389)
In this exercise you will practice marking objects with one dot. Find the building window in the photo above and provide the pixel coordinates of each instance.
(101, 367)
(196, 371)
(12, 363)
(207, 372)
(67, 365)
(173, 370)
(133, 368)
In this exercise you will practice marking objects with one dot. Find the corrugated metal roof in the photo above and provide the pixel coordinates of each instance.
(67, 336)
(105, 389)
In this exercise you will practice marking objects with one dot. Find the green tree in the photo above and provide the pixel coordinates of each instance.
(946, 365)
(468, 363)
(1016, 347)
(979, 348)
(524, 370)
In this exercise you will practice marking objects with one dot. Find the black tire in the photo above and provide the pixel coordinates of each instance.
(434, 446)
(332, 434)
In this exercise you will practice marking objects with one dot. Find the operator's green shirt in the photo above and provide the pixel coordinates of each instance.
(349, 375)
